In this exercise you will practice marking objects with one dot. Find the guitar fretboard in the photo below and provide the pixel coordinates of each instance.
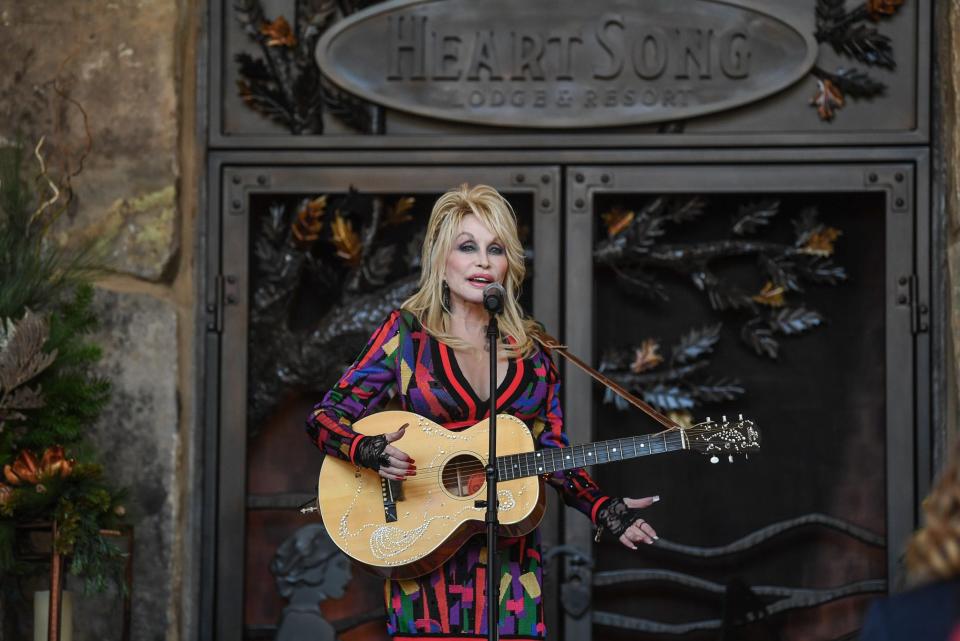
(553, 459)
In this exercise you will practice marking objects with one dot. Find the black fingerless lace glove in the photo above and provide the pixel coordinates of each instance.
(370, 452)
(616, 517)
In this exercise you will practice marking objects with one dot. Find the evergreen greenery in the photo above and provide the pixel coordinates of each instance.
(49, 396)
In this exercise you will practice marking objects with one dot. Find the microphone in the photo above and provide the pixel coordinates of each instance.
(493, 296)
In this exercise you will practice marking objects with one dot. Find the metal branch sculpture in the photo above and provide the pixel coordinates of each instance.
(285, 84)
(360, 282)
(850, 34)
(633, 252)
(679, 387)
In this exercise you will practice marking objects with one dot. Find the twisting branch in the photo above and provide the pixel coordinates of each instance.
(635, 252)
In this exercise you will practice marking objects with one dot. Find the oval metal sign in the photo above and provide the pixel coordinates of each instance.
(566, 63)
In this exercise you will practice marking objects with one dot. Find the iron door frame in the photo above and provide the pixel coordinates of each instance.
(930, 246)
(905, 186)
(226, 541)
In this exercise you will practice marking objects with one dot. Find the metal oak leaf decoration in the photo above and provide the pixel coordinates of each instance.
(682, 384)
(284, 84)
(359, 273)
(852, 34)
(638, 255)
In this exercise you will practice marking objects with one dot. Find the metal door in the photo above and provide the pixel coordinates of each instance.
(265, 467)
(839, 401)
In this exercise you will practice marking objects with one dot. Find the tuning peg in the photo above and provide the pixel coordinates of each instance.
(739, 417)
(746, 457)
(730, 458)
(714, 459)
(708, 420)
(723, 419)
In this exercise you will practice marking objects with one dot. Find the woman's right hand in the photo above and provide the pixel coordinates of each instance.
(401, 465)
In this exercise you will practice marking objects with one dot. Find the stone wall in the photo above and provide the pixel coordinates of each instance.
(948, 97)
(113, 82)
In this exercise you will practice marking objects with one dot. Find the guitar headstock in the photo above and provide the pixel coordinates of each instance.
(723, 438)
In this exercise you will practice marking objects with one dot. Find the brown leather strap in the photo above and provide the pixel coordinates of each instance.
(550, 342)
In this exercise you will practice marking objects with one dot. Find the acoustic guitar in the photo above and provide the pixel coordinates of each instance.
(404, 529)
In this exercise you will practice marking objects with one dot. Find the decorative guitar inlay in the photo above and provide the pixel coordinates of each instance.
(388, 541)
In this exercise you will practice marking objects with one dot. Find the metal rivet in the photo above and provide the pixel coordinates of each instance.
(261, 180)
(211, 309)
(899, 202)
(872, 178)
(211, 326)
(232, 299)
(545, 178)
(605, 178)
(578, 178)
(237, 204)
(924, 309)
(236, 180)
(520, 178)
(545, 203)
(903, 280)
(898, 177)
(902, 299)
(579, 203)
(231, 279)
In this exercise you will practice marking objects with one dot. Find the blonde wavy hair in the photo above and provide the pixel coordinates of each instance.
(498, 216)
(934, 551)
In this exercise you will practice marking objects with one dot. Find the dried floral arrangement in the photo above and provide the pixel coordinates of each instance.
(49, 396)
(635, 252)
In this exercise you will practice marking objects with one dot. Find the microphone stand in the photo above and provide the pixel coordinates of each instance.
(493, 523)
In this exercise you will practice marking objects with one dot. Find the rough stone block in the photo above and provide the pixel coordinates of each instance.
(137, 438)
(108, 68)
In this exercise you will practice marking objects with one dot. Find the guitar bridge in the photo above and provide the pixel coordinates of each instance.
(392, 492)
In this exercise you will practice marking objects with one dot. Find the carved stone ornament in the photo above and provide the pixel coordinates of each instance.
(557, 64)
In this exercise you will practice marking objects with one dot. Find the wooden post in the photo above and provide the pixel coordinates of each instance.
(56, 588)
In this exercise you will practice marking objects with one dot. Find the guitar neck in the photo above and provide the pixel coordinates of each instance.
(554, 459)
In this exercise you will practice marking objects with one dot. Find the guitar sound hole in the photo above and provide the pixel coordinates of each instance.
(463, 475)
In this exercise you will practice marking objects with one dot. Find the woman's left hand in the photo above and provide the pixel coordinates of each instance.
(639, 531)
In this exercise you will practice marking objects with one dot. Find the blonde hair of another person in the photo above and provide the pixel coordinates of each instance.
(934, 551)
(498, 216)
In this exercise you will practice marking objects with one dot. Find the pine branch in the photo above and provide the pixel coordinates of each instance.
(695, 344)
(718, 391)
(686, 209)
(752, 216)
(760, 338)
(794, 320)
(857, 84)
(867, 45)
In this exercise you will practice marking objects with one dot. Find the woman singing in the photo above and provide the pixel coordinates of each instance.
(431, 353)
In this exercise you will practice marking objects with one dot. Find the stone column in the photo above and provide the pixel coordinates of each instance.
(111, 86)
(947, 130)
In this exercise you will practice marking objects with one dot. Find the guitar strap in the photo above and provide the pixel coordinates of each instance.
(553, 344)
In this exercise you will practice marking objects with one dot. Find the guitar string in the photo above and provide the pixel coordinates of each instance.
(479, 465)
(480, 462)
(474, 467)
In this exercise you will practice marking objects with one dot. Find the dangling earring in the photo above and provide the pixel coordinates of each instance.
(445, 298)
